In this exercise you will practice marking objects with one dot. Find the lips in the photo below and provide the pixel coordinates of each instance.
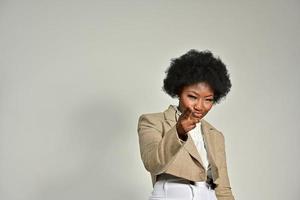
(197, 114)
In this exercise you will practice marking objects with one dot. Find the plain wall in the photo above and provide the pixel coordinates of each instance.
(76, 75)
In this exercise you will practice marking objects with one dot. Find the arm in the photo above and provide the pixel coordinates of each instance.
(223, 189)
(158, 147)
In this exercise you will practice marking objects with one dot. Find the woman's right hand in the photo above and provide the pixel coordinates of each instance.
(185, 123)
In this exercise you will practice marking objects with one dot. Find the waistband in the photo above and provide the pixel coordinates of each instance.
(170, 178)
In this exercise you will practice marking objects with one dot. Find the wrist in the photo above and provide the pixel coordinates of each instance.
(183, 137)
(181, 134)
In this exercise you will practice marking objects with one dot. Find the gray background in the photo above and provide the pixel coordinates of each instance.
(76, 75)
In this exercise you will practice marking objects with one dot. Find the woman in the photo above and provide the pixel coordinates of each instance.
(184, 153)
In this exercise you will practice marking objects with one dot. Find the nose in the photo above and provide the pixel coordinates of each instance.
(199, 105)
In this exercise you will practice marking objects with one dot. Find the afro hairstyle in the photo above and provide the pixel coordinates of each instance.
(195, 67)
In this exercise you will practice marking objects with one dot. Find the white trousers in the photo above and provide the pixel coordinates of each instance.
(170, 190)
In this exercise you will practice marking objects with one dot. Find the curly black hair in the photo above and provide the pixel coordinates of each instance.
(194, 67)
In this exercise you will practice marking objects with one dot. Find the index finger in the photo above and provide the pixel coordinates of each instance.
(187, 113)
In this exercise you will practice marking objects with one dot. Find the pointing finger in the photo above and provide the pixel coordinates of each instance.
(187, 113)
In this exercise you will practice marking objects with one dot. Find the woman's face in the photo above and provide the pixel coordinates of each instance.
(199, 98)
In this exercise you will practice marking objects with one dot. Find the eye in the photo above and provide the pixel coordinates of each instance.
(209, 100)
(192, 96)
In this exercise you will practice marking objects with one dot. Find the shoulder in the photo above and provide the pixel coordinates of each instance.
(152, 116)
(208, 125)
(168, 114)
(151, 120)
(212, 129)
(156, 120)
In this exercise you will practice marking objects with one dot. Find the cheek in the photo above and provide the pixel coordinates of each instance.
(208, 107)
(190, 102)
(186, 102)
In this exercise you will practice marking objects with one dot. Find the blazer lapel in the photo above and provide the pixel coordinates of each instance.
(192, 149)
(210, 141)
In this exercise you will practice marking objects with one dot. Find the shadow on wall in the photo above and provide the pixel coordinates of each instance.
(96, 160)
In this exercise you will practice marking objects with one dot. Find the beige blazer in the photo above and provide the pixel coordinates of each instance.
(163, 152)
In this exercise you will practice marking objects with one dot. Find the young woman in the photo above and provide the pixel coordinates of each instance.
(184, 153)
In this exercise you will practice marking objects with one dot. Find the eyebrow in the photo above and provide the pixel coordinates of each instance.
(198, 93)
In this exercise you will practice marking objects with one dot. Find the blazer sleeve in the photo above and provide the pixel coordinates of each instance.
(223, 189)
(158, 147)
